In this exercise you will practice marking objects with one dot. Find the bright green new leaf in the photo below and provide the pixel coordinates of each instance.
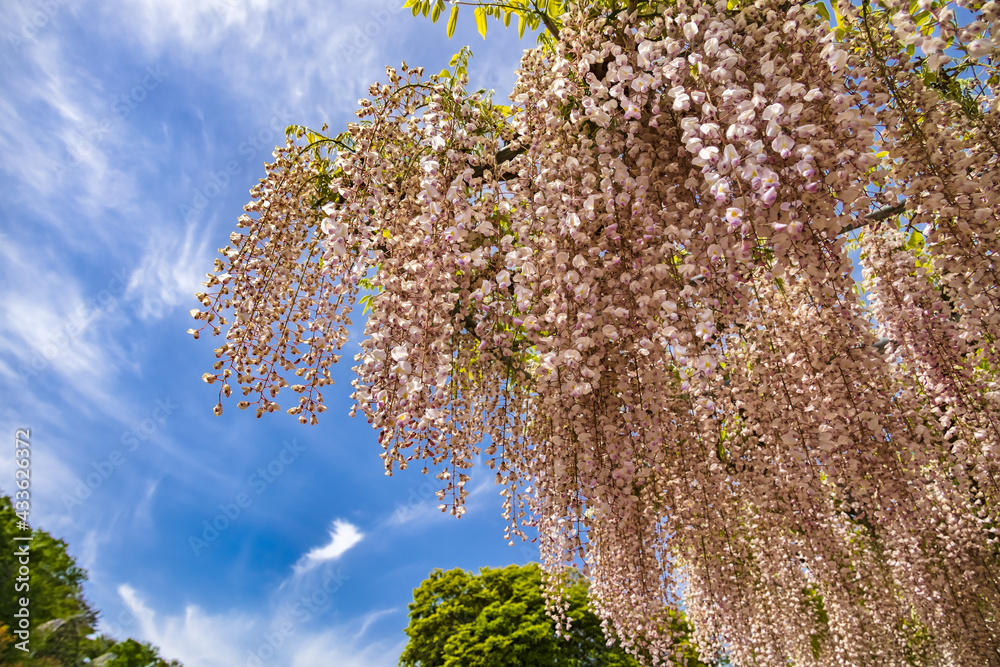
(841, 28)
(452, 21)
(436, 12)
(823, 11)
(481, 20)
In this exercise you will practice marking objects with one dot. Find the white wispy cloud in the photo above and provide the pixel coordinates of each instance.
(196, 638)
(421, 506)
(293, 51)
(71, 141)
(236, 639)
(335, 647)
(343, 536)
(370, 619)
(170, 272)
(51, 322)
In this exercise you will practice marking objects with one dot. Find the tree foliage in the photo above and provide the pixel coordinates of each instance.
(130, 653)
(529, 13)
(55, 581)
(632, 291)
(62, 622)
(498, 619)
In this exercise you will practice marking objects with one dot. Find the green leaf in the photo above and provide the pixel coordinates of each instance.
(436, 12)
(836, 12)
(521, 22)
(506, 19)
(823, 11)
(481, 20)
(452, 21)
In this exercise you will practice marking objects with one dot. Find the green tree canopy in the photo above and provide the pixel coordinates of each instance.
(497, 618)
(55, 580)
(131, 653)
(62, 621)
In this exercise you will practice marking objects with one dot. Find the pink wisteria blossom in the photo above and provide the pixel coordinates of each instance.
(650, 330)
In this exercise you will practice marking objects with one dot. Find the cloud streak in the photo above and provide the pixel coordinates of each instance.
(343, 536)
(235, 639)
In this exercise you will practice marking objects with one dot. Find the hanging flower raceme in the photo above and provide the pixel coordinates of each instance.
(633, 293)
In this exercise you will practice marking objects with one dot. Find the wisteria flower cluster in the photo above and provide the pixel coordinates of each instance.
(632, 293)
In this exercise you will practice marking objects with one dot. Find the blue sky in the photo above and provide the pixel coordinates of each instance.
(131, 133)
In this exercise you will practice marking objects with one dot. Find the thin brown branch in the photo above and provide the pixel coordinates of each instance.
(550, 24)
(878, 215)
(505, 155)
